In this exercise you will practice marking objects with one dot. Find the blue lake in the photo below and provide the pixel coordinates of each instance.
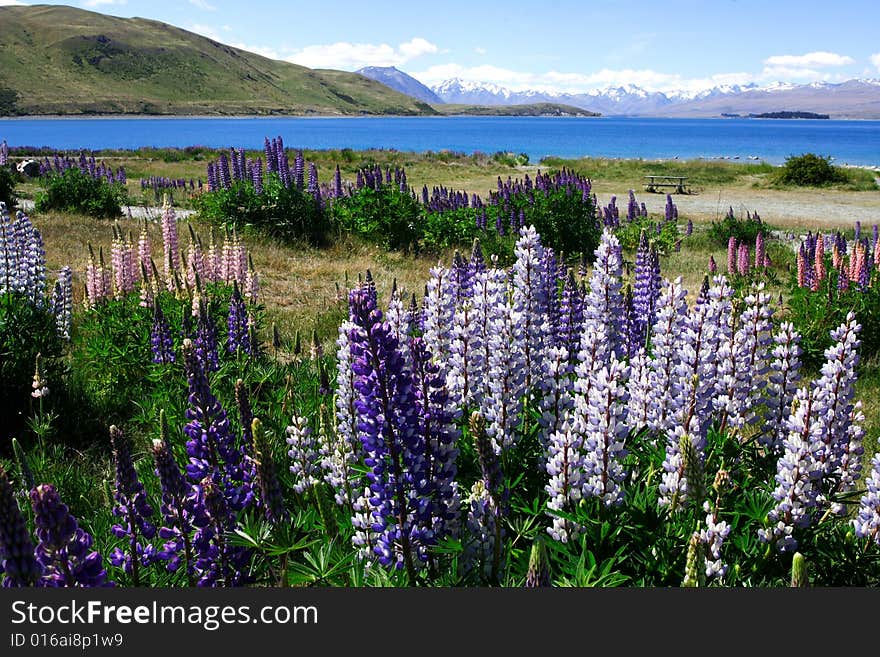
(771, 140)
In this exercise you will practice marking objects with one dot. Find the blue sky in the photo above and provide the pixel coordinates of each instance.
(563, 45)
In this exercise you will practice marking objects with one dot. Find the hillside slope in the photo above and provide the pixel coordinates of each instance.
(61, 60)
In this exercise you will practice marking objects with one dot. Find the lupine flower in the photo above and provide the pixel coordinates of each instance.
(17, 562)
(133, 509)
(694, 575)
(800, 576)
(712, 536)
(171, 246)
(646, 290)
(530, 302)
(61, 303)
(819, 266)
(210, 444)
(867, 522)
(538, 574)
(671, 315)
(798, 475)
(760, 250)
(161, 342)
(64, 549)
(343, 445)
(304, 453)
(731, 256)
(689, 230)
(713, 267)
(801, 267)
(393, 445)
(39, 385)
(238, 334)
(439, 312)
(271, 497)
(604, 302)
(217, 562)
(482, 549)
(782, 384)
(178, 509)
(742, 265)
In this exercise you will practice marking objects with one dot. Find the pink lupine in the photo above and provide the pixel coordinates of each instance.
(760, 251)
(144, 249)
(171, 244)
(801, 268)
(731, 255)
(743, 259)
(819, 263)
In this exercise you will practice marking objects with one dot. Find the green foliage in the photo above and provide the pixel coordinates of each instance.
(809, 170)
(76, 191)
(816, 314)
(285, 213)
(385, 216)
(629, 231)
(744, 230)
(25, 331)
(511, 159)
(8, 180)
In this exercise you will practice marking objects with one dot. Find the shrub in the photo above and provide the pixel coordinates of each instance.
(386, 216)
(26, 329)
(75, 191)
(564, 218)
(809, 170)
(815, 313)
(628, 234)
(744, 230)
(287, 213)
(8, 179)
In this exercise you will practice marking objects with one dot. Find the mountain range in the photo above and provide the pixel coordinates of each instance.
(853, 99)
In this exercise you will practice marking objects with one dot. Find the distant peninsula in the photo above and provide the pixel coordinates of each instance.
(777, 115)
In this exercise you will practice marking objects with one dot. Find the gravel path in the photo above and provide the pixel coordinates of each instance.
(135, 211)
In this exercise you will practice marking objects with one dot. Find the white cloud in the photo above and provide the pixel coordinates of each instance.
(480, 51)
(875, 60)
(6, 3)
(203, 4)
(98, 3)
(817, 59)
(206, 31)
(350, 56)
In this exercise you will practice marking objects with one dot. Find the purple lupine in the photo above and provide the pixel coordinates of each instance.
(646, 290)
(133, 509)
(439, 311)
(211, 445)
(713, 267)
(481, 543)
(206, 337)
(689, 229)
(17, 563)
(178, 509)
(671, 211)
(571, 314)
(161, 342)
(63, 549)
(867, 521)
(393, 445)
(238, 329)
(217, 562)
(299, 170)
(437, 417)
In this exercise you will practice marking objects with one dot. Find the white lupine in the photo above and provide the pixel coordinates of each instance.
(867, 522)
(604, 300)
(606, 433)
(556, 387)
(439, 312)
(713, 535)
(489, 297)
(565, 466)
(505, 385)
(672, 312)
(530, 303)
(304, 453)
(638, 389)
(465, 368)
(782, 384)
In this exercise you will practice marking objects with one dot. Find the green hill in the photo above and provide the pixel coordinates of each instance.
(61, 60)
(525, 109)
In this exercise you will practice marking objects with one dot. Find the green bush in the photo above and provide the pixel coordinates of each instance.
(809, 170)
(385, 216)
(25, 331)
(628, 234)
(816, 313)
(285, 213)
(8, 179)
(76, 191)
(744, 230)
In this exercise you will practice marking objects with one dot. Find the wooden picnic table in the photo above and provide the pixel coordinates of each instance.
(678, 182)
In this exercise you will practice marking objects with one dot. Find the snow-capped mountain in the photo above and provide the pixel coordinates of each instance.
(400, 81)
(857, 98)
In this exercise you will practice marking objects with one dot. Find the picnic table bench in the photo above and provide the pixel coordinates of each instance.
(678, 182)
